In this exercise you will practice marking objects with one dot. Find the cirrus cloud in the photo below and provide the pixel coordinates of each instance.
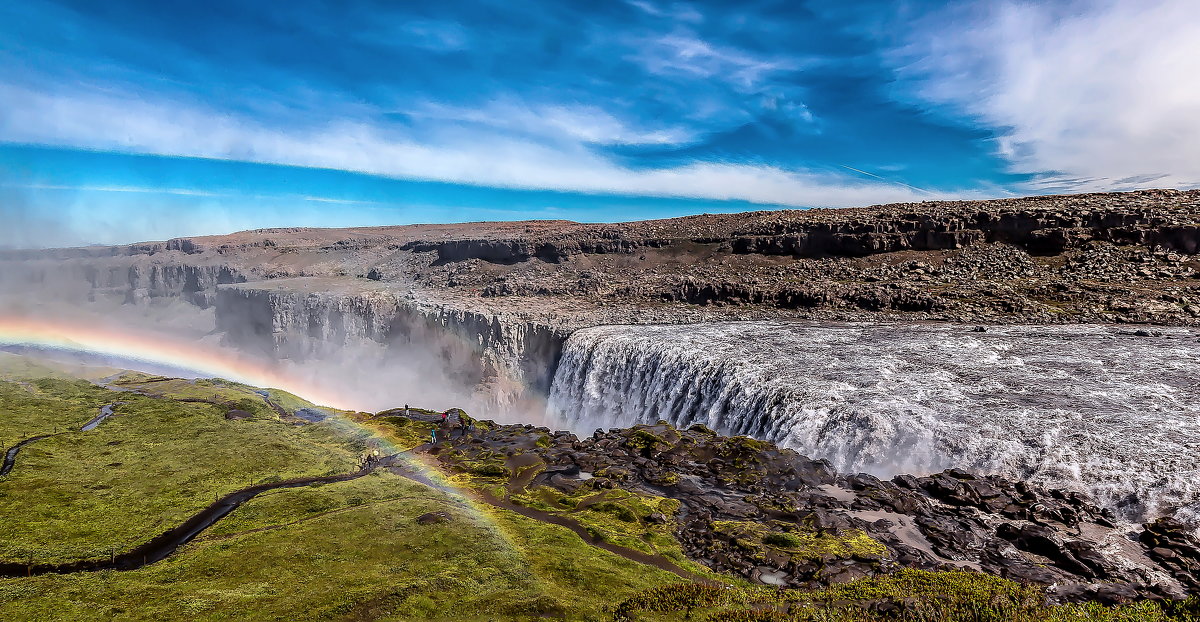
(1082, 95)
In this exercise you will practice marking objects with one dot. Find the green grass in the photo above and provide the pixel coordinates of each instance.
(352, 551)
(616, 516)
(17, 367)
(401, 432)
(216, 390)
(799, 541)
(908, 595)
(344, 551)
(81, 494)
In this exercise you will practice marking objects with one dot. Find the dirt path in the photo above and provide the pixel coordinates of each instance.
(10, 456)
(106, 411)
(168, 542)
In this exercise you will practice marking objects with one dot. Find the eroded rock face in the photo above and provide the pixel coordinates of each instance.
(508, 358)
(1042, 226)
(770, 514)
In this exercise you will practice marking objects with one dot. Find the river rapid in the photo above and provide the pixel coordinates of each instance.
(1091, 408)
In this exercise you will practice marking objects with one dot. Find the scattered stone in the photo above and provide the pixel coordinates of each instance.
(774, 516)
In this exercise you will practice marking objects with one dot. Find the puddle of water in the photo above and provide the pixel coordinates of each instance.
(106, 411)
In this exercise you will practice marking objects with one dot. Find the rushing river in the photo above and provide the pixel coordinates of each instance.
(1091, 408)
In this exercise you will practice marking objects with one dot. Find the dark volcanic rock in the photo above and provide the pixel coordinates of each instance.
(748, 507)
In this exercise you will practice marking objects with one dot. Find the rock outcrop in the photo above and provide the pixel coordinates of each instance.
(771, 515)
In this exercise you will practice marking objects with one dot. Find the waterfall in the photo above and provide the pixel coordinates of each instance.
(1088, 408)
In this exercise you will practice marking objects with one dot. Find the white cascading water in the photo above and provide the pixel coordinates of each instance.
(1089, 408)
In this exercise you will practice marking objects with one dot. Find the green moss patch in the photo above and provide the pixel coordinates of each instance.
(913, 595)
(798, 541)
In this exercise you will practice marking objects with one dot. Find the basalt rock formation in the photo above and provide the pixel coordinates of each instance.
(771, 515)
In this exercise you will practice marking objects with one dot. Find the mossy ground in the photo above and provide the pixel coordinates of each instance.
(81, 495)
(218, 391)
(399, 431)
(799, 541)
(351, 551)
(345, 551)
(355, 551)
(615, 515)
(909, 595)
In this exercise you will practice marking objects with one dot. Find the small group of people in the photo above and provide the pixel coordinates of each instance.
(463, 424)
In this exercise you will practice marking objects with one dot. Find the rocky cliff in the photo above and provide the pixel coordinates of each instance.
(1040, 225)
(505, 294)
(507, 358)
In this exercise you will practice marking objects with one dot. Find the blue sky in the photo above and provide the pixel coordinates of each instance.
(128, 120)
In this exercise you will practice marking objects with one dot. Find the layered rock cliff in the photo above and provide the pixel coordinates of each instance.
(1041, 225)
(508, 358)
(497, 298)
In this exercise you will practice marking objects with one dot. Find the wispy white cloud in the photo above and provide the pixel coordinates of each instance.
(678, 11)
(315, 199)
(554, 122)
(119, 189)
(108, 122)
(1086, 95)
(185, 192)
(683, 52)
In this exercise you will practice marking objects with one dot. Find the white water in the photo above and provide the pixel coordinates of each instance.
(1080, 407)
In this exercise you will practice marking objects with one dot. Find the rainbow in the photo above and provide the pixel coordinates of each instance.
(201, 358)
(209, 360)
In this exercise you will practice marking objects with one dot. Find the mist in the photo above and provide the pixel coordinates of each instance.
(139, 299)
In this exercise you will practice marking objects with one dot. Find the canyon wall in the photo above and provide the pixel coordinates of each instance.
(502, 363)
(1040, 225)
(130, 278)
(365, 335)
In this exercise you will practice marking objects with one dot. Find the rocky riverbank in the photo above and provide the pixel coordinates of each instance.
(746, 507)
